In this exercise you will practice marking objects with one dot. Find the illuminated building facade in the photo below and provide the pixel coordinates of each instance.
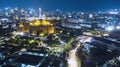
(36, 27)
(40, 10)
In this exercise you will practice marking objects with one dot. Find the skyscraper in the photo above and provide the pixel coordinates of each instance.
(40, 13)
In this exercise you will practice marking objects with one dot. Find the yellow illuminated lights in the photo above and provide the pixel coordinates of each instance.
(47, 27)
(44, 22)
(37, 23)
(21, 25)
(31, 23)
(42, 34)
(51, 30)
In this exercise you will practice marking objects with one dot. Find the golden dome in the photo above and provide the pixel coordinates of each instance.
(38, 23)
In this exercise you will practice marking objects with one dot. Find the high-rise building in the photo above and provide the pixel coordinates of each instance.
(40, 13)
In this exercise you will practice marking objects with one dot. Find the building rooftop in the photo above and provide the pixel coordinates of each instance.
(37, 23)
(29, 59)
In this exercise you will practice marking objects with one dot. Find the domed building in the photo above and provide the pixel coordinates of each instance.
(36, 27)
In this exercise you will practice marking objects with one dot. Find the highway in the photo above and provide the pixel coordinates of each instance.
(73, 60)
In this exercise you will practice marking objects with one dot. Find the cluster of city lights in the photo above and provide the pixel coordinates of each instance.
(111, 28)
(19, 33)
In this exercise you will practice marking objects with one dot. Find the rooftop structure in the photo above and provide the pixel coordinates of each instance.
(36, 27)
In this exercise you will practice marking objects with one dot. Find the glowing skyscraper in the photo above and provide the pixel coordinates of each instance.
(40, 13)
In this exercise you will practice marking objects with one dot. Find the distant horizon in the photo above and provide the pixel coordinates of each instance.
(60, 9)
(64, 5)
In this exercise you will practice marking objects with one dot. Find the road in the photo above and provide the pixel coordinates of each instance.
(73, 60)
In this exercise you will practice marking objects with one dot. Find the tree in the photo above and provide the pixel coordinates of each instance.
(67, 47)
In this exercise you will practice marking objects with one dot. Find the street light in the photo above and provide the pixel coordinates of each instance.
(110, 28)
(117, 27)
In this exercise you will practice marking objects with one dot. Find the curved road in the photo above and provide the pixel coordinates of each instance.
(73, 60)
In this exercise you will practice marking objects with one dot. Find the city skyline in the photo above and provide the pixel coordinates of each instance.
(59, 33)
(65, 5)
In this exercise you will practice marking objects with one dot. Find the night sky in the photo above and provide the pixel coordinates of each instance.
(65, 5)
